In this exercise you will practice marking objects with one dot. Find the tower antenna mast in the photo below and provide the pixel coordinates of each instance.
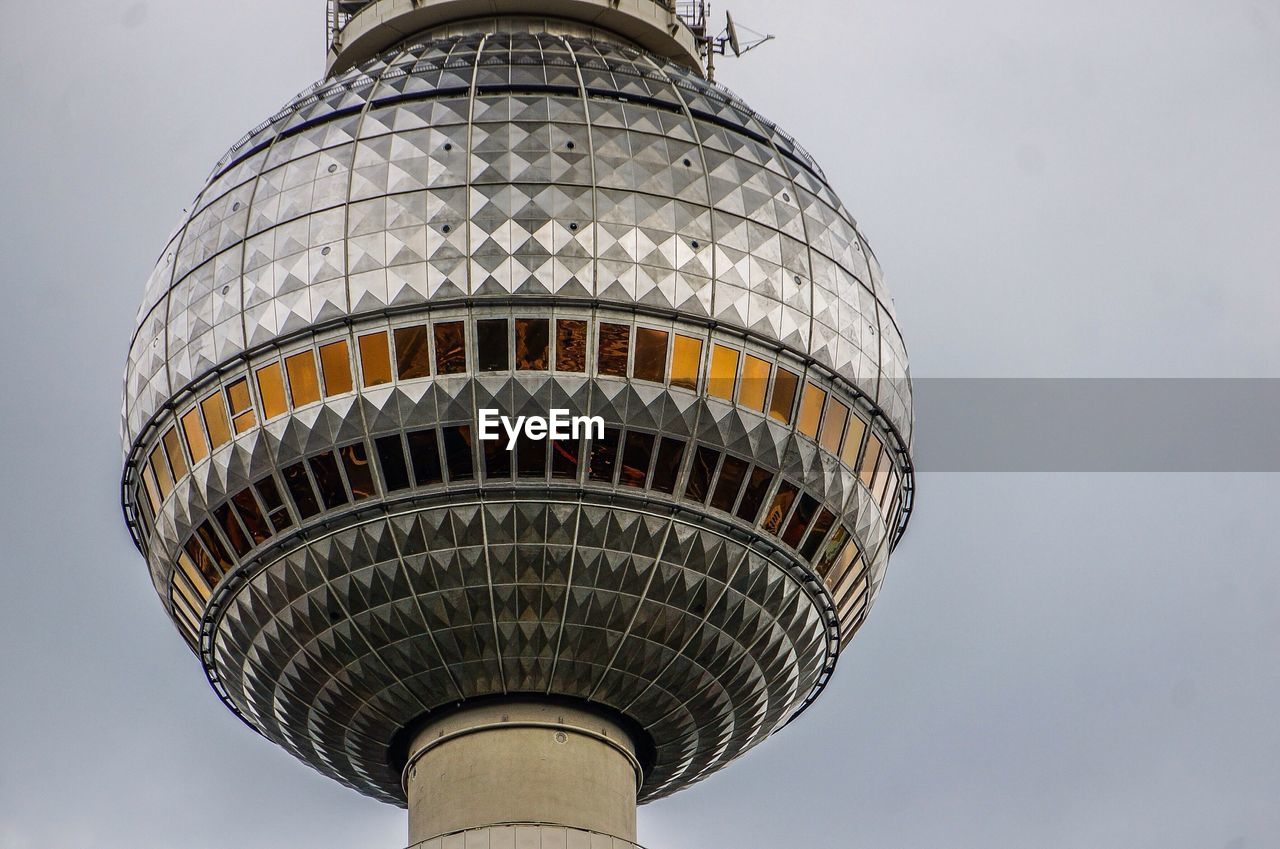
(696, 15)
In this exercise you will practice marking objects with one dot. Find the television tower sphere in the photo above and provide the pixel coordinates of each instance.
(546, 227)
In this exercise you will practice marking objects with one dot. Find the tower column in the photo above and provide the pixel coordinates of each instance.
(522, 762)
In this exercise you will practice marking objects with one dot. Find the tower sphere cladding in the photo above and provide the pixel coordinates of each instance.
(521, 214)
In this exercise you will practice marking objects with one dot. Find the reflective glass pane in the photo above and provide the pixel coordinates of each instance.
(781, 505)
(451, 347)
(870, 459)
(194, 577)
(196, 438)
(755, 383)
(160, 468)
(328, 480)
(667, 470)
(231, 527)
(203, 562)
(242, 415)
(531, 457)
(251, 516)
(732, 473)
(800, 520)
(426, 457)
(413, 352)
(753, 498)
(215, 419)
(831, 551)
(533, 344)
(492, 344)
(604, 456)
(880, 483)
(811, 410)
(817, 534)
(886, 500)
(177, 457)
(686, 359)
(304, 383)
(615, 343)
(152, 488)
(395, 474)
(724, 372)
(335, 362)
(355, 460)
(651, 355)
(298, 483)
(497, 459)
(637, 452)
(571, 345)
(276, 511)
(701, 471)
(271, 391)
(853, 442)
(457, 453)
(783, 398)
(215, 547)
(375, 359)
(564, 459)
(833, 425)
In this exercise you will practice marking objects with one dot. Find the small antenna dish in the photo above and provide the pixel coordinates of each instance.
(731, 29)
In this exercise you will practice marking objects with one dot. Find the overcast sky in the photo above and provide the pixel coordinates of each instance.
(1058, 661)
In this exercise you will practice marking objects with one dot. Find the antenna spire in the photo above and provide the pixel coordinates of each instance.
(696, 15)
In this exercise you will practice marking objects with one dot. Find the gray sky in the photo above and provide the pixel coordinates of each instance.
(1058, 661)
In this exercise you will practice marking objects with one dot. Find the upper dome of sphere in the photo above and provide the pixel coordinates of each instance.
(526, 216)
(691, 203)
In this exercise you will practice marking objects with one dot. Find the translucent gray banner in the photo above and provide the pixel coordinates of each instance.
(1097, 425)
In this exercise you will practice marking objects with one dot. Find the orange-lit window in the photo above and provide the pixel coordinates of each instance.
(833, 425)
(845, 568)
(724, 372)
(335, 363)
(196, 439)
(173, 448)
(375, 359)
(755, 383)
(881, 480)
(571, 345)
(183, 586)
(193, 576)
(215, 419)
(615, 342)
(853, 442)
(151, 488)
(832, 550)
(242, 416)
(886, 500)
(413, 352)
(451, 348)
(304, 383)
(870, 458)
(784, 395)
(651, 355)
(811, 410)
(160, 468)
(686, 357)
(271, 391)
(533, 344)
